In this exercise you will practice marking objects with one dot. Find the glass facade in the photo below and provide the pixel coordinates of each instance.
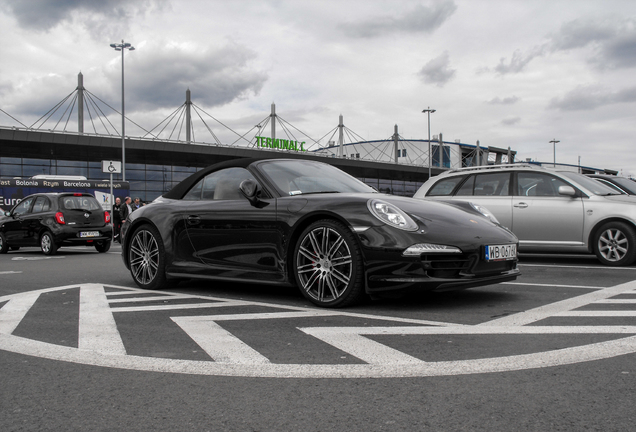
(148, 181)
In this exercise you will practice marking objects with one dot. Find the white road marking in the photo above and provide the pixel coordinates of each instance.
(552, 285)
(9, 272)
(97, 328)
(235, 358)
(147, 298)
(14, 311)
(220, 344)
(36, 258)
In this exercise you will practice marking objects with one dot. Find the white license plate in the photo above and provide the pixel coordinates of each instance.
(501, 252)
(89, 234)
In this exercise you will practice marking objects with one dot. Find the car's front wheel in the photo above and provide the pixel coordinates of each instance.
(615, 244)
(146, 258)
(328, 265)
(47, 244)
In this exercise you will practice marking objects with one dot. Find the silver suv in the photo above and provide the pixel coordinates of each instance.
(548, 210)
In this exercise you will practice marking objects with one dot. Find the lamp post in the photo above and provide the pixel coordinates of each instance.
(554, 143)
(429, 111)
(123, 46)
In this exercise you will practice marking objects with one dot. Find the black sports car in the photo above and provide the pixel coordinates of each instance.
(290, 221)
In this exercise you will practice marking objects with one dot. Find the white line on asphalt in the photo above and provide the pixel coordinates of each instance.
(552, 285)
(220, 344)
(97, 328)
(588, 313)
(9, 272)
(578, 267)
(553, 309)
(36, 258)
(14, 311)
(147, 299)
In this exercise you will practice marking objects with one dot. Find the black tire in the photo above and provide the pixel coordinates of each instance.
(328, 265)
(14, 247)
(4, 247)
(102, 246)
(615, 244)
(47, 244)
(147, 258)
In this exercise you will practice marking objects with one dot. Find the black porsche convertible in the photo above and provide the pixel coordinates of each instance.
(307, 223)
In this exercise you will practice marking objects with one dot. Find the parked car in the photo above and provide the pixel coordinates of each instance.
(621, 184)
(549, 211)
(309, 224)
(53, 220)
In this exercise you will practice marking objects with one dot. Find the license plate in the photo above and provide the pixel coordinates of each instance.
(89, 234)
(501, 252)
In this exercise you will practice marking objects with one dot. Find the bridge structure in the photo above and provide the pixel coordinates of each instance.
(173, 143)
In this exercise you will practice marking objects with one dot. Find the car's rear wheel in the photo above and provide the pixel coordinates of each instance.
(615, 244)
(328, 265)
(146, 258)
(102, 246)
(47, 244)
(4, 247)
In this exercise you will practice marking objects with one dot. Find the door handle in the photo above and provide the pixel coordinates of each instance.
(194, 220)
(521, 205)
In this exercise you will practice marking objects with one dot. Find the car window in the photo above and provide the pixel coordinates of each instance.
(80, 202)
(492, 184)
(597, 188)
(23, 206)
(220, 185)
(467, 187)
(41, 205)
(445, 187)
(610, 184)
(538, 184)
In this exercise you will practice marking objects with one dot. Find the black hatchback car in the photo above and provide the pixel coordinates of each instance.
(52, 220)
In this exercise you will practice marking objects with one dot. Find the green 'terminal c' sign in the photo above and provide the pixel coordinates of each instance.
(281, 144)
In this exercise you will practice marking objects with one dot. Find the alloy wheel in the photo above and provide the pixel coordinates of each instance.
(144, 257)
(613, 244)
(324, 264)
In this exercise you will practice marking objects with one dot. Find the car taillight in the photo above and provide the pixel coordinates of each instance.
(59, 218)
(77, 194)
(106, 217)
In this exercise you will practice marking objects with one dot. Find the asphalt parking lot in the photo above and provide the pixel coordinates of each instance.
(83, 349)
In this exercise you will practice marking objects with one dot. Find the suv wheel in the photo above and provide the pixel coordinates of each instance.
(615, 244)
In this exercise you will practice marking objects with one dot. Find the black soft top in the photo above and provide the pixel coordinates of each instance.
(182, 188)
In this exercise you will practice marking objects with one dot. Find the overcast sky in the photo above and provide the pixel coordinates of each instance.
(506, 73)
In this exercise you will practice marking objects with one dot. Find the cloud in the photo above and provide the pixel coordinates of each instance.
(613, 45)
(591, 97)
(158, 76)
(519, 60)
(510, 121)
(437, 71)
(99, 17)
(505, 101)
(421, 19)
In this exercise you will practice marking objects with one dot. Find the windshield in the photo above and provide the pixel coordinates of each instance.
(597, 188)
(628, 185)
(301, 177)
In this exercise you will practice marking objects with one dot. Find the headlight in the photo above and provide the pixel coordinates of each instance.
(391, 215)
(420, 248)
(487, 213)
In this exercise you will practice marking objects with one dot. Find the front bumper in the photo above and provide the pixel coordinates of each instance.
(390, 271)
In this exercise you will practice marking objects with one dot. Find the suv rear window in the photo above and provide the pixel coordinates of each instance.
(84, 202)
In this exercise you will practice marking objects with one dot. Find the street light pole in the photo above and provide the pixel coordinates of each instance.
(123, 46)
(429, 111)
(554, 143)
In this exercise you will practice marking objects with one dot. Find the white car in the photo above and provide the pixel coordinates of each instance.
(548, 210)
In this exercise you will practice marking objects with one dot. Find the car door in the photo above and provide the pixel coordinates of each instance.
(16, 228)
(490, 190)
(541, 216)
(232, 237)
(33, 221)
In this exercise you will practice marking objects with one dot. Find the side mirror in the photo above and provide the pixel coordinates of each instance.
(7, 213)
(567, 190)
(251, 190)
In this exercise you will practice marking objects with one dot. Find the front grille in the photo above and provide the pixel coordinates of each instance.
(448, 266)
